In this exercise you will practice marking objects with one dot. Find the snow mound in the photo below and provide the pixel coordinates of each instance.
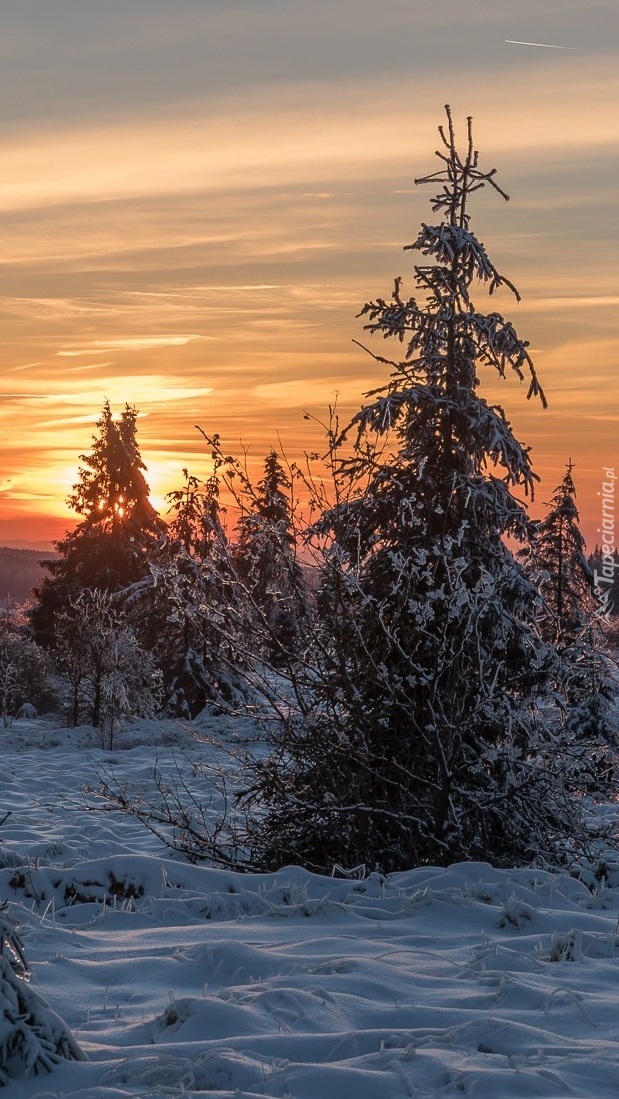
(186, 980)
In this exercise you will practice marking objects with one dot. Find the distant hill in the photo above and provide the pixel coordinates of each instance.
(20, 572)
(23, 543)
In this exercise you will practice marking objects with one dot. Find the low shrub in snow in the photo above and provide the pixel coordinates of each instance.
(32, 1036)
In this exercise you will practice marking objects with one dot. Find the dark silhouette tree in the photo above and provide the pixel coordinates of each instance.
(564, 576)
(417, 736)
(110, 548)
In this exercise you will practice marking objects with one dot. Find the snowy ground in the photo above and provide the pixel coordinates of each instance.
(181, 980)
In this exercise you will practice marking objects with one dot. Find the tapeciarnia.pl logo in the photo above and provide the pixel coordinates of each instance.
(604, 580)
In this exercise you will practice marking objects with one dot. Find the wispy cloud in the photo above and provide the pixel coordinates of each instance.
(132, 343)
(141, 390)
(307, 138)
(79, 352)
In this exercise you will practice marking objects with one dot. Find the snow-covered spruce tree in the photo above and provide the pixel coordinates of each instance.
(267, 565)
(179, 609)
(419, 738)
(33, 1038)
(216, 608)
(110, 548)
(569, 618)
(197, 523)
(564, 577)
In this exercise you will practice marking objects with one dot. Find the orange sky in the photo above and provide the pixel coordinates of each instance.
(194, 205)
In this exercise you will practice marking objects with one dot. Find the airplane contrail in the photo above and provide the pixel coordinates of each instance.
(541, 45)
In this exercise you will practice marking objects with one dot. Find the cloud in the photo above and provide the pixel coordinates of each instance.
(88, 366)
(132, 343)
(75, 354)
(576, 301)
(140, 390)
(301, 134)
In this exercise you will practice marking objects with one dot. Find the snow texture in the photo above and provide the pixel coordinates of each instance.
(184, 980)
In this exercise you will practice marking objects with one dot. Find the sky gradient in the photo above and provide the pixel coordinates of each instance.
(197, 197)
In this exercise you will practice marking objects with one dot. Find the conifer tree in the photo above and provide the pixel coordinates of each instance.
(110, 548)
(418, 737)
(570, 616)
(267, 564)
(197, 522)
(564, 577)
(179, 608)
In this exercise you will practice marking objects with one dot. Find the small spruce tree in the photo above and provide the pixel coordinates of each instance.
(564, 576)
(570, 617)
(179, 609)
(197, 524)
(267, 565)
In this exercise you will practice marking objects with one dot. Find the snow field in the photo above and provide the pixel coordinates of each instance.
(184, 980)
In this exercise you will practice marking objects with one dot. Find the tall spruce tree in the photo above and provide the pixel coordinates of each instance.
(418, 737)
(110, 548)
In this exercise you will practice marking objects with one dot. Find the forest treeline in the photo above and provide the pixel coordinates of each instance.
(431, 695)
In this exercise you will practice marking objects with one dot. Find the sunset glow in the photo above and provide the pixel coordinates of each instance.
(196, 199)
